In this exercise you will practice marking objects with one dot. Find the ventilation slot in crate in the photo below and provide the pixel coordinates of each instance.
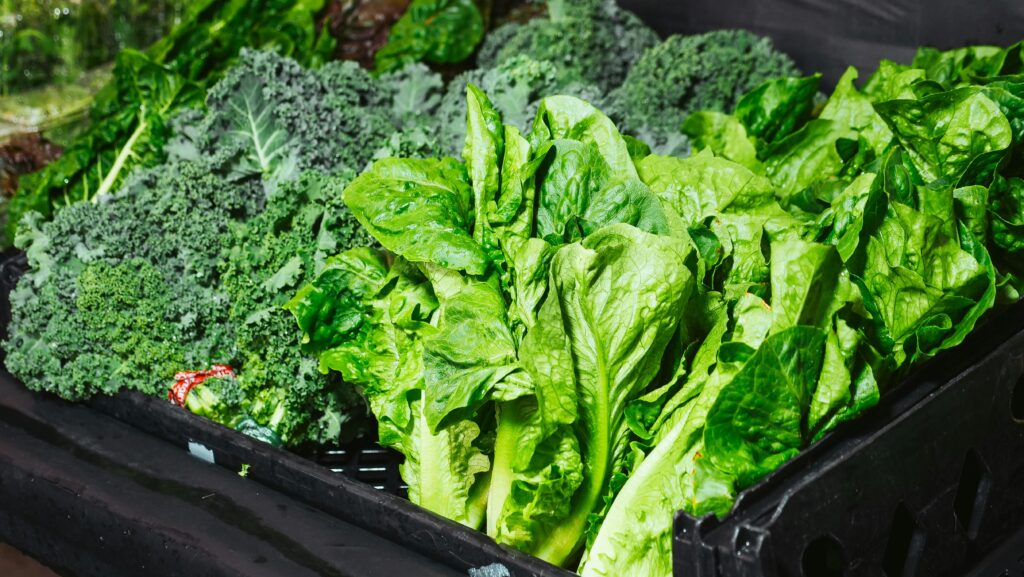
(823, 557)
(972, 494)
(1017, 401)
(905, 547)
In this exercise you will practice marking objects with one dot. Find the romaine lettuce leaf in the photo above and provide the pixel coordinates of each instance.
(613, 303)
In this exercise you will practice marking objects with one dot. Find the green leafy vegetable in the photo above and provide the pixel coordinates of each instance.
(686, 74)
(592, 41)
(568, 337)
(434, 221)
(208, 246)
(757, 420)
(129, 118)
(435, 31)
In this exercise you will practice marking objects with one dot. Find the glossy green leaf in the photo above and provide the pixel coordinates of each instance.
(436, 31)
(848, 107)
(945, 132)
(419, 209)
(471, 353)
(758, 420)
(724, 135)
(703, 185)
(778, 107)
(804, 277)
(595, 343)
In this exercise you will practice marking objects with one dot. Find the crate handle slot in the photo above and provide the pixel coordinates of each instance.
(906, 545)
(972, 494)
(1017, 401)
(823, 557)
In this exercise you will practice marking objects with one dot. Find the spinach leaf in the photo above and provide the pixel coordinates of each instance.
(435, 31)
(776, 108)
(945, 132)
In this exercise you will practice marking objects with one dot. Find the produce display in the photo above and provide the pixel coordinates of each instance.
(596, 279)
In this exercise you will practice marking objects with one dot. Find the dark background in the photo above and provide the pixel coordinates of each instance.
(828, 35)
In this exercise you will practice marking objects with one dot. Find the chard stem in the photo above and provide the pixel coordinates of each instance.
(122, 157)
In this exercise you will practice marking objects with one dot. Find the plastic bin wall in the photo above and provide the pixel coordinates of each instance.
(926, 485)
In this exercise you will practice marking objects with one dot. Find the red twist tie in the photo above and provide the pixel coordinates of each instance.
(185, 381)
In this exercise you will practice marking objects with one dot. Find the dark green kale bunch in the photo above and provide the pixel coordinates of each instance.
(685, 74)
(593, 41)
(271, 256)
(123, 293)
(184, 266)
(270, 112)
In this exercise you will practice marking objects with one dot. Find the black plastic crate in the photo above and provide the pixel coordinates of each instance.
(924, 485)
(342, 483)
(1007, 561)
(367, 462)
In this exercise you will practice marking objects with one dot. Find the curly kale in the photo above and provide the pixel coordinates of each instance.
(109, 318)
(417, 142)
(592, 41)
(122, 294)
(270, 257)
(685, 74)
(268, 110)
(186, 265)
(413, 92)
(491, 49)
